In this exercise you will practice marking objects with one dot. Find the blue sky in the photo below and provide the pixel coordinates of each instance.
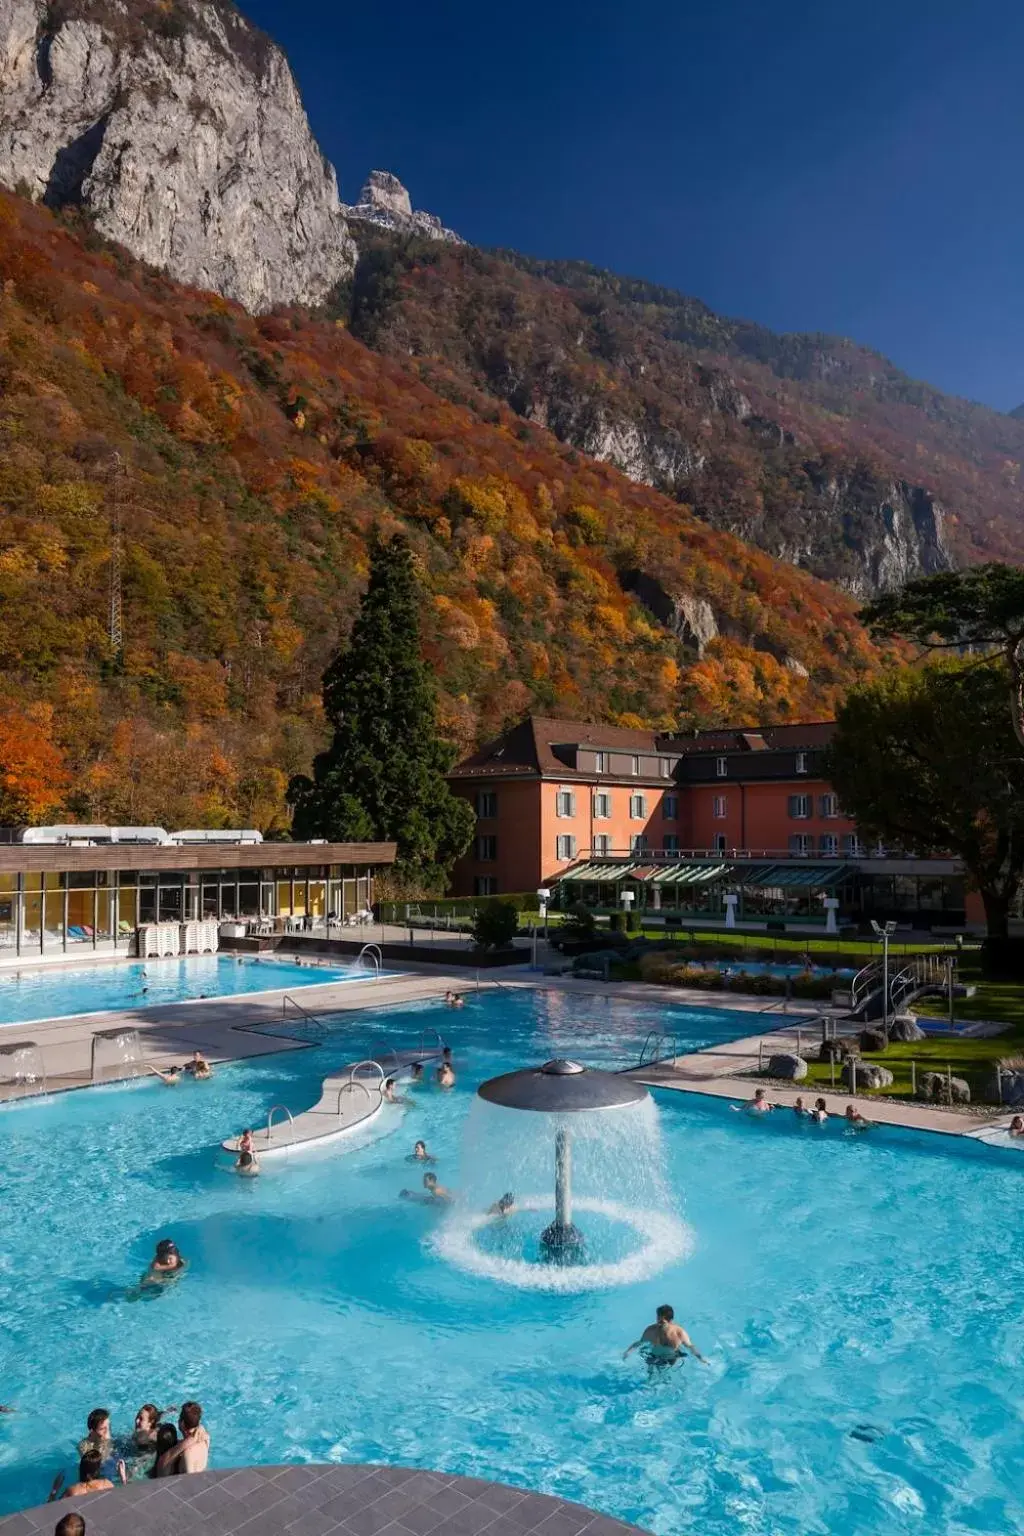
(853, 168)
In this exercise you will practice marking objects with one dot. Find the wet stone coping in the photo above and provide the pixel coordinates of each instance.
(336, 1500)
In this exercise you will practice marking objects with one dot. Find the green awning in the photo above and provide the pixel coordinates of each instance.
(794, 876)
(692, 874)
(591, 871)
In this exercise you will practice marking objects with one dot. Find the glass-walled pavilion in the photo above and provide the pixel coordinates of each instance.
(101, 901)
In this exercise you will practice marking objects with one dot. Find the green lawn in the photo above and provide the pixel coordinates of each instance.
(970, 1059)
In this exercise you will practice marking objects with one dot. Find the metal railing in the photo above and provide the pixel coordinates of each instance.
(316, 1023)
(656, 1040)
(270, 1121)
(353, 1082)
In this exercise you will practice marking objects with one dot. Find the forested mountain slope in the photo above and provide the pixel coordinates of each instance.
(817, 449)
(256, 455)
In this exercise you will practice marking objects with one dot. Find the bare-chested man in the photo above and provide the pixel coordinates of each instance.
(665, 1341)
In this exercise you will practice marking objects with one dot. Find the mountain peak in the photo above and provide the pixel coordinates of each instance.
(384, 201)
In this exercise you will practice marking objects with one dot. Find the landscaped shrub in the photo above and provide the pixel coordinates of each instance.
(809, 985)
(579, 923)
(496, 925)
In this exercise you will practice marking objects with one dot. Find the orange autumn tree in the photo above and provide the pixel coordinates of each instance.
(33, 778)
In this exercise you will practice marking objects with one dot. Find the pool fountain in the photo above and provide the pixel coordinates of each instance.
(22, 1071)
(588, 1156)
(116, 1053)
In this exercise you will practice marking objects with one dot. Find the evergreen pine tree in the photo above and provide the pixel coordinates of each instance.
(383, 776)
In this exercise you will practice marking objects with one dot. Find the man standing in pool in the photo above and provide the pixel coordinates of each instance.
(665, 1341)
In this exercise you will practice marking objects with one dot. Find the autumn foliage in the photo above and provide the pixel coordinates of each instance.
(259, 454)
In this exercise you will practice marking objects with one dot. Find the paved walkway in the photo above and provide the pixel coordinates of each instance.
(219, 1027)
(320, 1501)
(715, 1072)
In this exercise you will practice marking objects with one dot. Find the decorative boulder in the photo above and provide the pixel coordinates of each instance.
(835, 1049)
(905, 1027)
(869, 1075)
(937, 1088)
(789, 1066)
(873, 1040)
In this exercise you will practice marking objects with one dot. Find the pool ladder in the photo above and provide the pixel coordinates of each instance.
(656, 1042)
(370, 955)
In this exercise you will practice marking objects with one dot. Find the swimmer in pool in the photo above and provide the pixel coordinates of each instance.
(417, 1072)
(758, 1105)
(389, 1095)
(446, 1075)
(665, 1341)
(247, 1165)
(820, 1111)
(198, 1067)
(436, 1194)
(421, 1155)
(503, 1207)
(799, 1108)
(171, 1078)
(855, 1119)
(1016, 1127)
(245, 1142)
(167, 1264)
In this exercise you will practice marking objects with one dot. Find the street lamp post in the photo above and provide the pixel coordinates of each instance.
(543, 897)
(885, 933)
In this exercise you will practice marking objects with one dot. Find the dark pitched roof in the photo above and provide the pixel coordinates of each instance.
(813, 735)
(529, 747)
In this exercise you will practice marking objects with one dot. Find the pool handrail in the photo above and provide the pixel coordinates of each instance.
(370, 954)
(270, 1120)
(318, 1024)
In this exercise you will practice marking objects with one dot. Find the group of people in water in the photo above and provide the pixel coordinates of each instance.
(819, 1113)
(197, 1068)
(154, 1448)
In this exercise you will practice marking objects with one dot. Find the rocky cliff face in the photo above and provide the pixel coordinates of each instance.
(386, 203)
(179, 128)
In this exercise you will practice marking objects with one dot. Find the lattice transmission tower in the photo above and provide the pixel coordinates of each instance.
(116, 631)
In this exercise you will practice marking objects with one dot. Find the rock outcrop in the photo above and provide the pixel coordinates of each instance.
(179, 128)
(385, 202)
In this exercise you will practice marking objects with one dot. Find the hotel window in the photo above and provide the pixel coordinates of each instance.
(828, 843)
(638, 843)
(801, 843)
(719, 842)
(565, 847)
(485, 885)
(565, 803)
(602, 807)
(801, 762)
(636, 765)
(637, 807)
(601, 762)
(800, 807)
(670, 807)
(487, 849)
(852, 846)
(666, 767)
(720, 808)
(721, 766)
(670, 843)
(487, 804)
(828, 807)
(602, 845)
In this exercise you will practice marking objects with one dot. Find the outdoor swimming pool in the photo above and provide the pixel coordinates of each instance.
(856, 1296)
(53, 992)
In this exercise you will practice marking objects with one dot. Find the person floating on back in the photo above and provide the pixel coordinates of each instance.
(665, 1342)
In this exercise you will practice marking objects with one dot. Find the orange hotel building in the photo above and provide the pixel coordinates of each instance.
(682, 821)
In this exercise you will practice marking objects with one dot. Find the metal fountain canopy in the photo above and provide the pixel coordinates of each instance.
(561, 1087)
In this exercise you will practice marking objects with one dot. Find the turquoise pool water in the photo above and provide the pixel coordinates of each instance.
(857, 1296)
(53, 992)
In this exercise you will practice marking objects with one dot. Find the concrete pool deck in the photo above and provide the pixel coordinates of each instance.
(316, 1500)
(223, 1029)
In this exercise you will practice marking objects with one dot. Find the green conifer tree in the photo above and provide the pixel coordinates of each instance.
(383, 776)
